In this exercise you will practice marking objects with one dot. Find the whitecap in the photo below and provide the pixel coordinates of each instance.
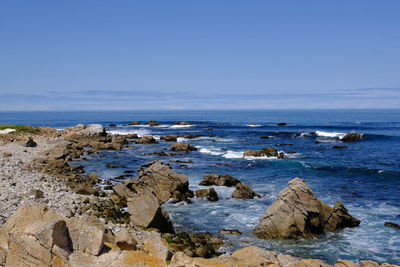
(139, 132)
(253, 125)
(210, 150)
(233, 154)
(330, 134)
(180, 126)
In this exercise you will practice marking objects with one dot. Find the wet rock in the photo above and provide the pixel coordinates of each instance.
(208, 193)
(134, 123)
(170, 138)
(183, 147)
(182, 123)
(162, 154)
(265, 152)
(285, 144)
(190, 136)
(31, 143)
(351, 137)
(146, 140)
(393, 225)
(182, 161)
(153, 123)
(243, 191)
(220, 180)
(339, 147)
(112, 125)
(266, 137)
(282, 124)
(229, 232)
(297, 213)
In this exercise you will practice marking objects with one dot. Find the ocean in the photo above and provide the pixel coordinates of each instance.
(365, 176)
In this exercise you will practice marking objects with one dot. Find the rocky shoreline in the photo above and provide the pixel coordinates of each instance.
(53, 214)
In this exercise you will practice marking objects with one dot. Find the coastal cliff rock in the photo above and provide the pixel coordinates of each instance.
(220, 180)
(183, 147)
(351, 137)
(265, 152)
(243, 191)
(297, 213)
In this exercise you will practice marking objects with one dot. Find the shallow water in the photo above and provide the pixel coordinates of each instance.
(365, 176)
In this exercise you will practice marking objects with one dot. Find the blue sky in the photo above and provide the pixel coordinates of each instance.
(92, 55)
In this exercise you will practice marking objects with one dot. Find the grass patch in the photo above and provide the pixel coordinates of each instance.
(20, 128)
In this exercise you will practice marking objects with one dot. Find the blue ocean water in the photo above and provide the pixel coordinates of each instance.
(365, 176)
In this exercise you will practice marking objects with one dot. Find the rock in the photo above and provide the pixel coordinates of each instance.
(266, 137)
(182, 123)
(92, 178)
(265, 152)
(183, 147)
(153, 123)
(162, 154)
(146, 140)
(112, 125)
(229, 232)
(220, 180)
(86, 190)
(31, 143)
(35, 193)
(393, 225)
(134, 123)
(111, 166)
(346, 263)
(297, 213)
(190, 136)
(82, 130)
(170, 138)
(7, 154)
(285, 144)
(146, 212)
(208, 193)
(351, 137)
(282, 124)
(243, 191)
(339, 147)
(125, 241)
(154, 245)
(256, 256)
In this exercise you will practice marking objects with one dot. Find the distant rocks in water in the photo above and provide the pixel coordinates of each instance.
(285, 144)
(183, 147)
(297, 213)
(351, 137)
(220, 180)
(134, 123)
(265, 152)
(83, 130)
(153, 123)
(339, 147)
(229, 232)
(114, 166)
(182, 161)
(225, 165)
(190, 136)
(243, 191)
(393, 225)
(282, 124)
(170, 138)
(266, 137)
(208, 193)
(162, 154)
(146, 140)
(112, 125)
(31, 143)
(183, 123)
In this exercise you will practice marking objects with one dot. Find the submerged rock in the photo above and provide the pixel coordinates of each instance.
(243, 191)
(265, 152)
(220, 180)
(183, 147)
(339, 147)
(297, 213)
(282, 124)
(351, 137)
(393, 225)
(208, 193)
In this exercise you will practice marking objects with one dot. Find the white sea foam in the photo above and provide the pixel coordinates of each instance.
(253, 125)
(139, 132)
(180, 126)
(330, 134)
(210, 150)
(233, 154)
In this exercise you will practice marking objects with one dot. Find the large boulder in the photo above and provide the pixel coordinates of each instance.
(83, 130)
(265, 152)
(183, 147)
(297, 213)
(243, 191)
(351, 137)
(146, 212)
(208, 193)
(220, 180)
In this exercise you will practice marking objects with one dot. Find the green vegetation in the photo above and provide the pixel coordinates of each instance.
(20, 128)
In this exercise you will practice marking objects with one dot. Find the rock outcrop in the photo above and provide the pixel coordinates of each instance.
(134, 123)
(297, 213)
(220, 180)
(351, 137)
(146, 140)
(83, 130)
(265, 152)
(170, 138)
(208, 193)
(183, 147)
(153, 123)
(243, 191)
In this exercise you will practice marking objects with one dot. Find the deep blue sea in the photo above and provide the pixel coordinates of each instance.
(365, 176)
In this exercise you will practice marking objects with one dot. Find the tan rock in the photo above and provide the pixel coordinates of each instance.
(183, 147)
(208, 193)
(261, 257)
(220, 180)
(366, 263)
(346, 263)
(125, 241)
(243, 191)
(156, 246)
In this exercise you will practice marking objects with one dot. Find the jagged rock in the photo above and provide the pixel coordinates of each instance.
(125, 241)
(153, 123)
(31, 143)
(243, 191)
(146, 140)
(154, 245)
(265, 152)
(393, 225)
(220, 180)
(297, 213)
(134, 123)
(208, 193)
(183, 147)
(146, 212)
(170, 138)
(351, 137)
